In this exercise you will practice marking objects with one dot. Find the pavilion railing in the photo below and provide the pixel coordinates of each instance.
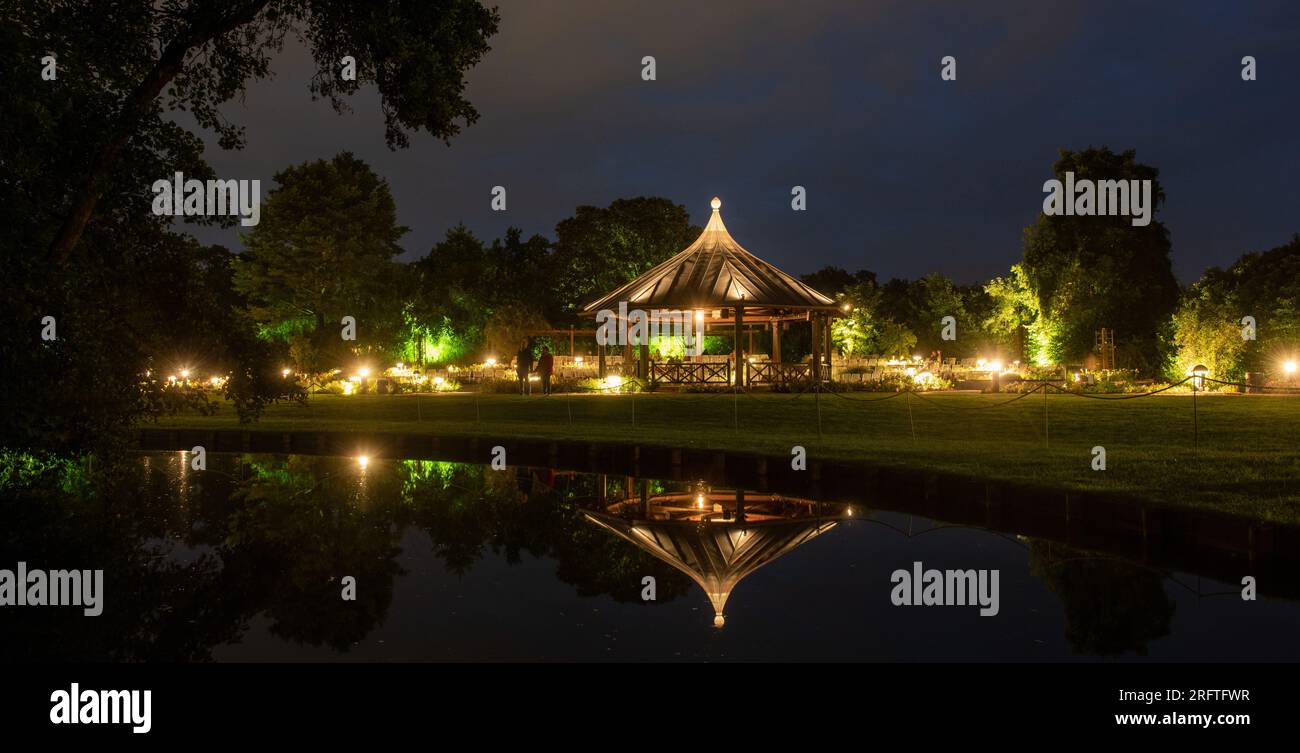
(778, 373)
(691, 373)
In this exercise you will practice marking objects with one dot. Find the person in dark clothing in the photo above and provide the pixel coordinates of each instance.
(545, 368)
(524, 367)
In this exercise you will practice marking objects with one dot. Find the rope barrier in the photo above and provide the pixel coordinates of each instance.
(1117, 397)
(1021, 396)
(1251, 386)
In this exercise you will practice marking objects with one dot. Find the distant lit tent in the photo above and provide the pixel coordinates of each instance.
(714, 552)
(717, 282)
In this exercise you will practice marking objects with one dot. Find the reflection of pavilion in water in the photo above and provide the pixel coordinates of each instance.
(715, 536)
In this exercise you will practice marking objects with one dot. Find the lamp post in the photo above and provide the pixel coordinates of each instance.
(1198, 383)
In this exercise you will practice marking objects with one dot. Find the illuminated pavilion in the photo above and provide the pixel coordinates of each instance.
(717, 538)
(722, 285)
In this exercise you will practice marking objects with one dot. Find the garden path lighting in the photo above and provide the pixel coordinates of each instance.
(1199, 373)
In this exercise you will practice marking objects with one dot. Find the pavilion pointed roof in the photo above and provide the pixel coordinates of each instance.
(715, 555)
(714, 271)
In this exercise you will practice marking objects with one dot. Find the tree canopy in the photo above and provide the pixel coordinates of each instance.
(325, 249)
(1089, 272)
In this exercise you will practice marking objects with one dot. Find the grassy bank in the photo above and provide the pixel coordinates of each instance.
(1247, 463)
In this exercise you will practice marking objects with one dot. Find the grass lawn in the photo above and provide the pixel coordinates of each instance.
(1248, 462)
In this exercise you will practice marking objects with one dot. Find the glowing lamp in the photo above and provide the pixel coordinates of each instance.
(1289, 367)
(1198, 376)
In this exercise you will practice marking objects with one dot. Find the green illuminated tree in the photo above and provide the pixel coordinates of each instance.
(323, 250)
(1089, 272)
(1208, 326)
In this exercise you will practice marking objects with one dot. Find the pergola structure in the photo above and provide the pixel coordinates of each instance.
(718, 284)
(717, 537)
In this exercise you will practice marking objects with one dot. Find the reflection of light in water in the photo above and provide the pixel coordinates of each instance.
(184, 490)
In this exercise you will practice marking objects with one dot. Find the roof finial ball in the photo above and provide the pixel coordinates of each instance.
(716, 203)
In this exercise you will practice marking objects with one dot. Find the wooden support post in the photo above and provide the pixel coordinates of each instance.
(643, 365)
(776, 342)
(816, 351)
(739, 348)
(601, 363)
(572, 332)
(828, 347)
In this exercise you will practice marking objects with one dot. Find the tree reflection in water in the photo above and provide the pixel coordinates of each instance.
(190, 557)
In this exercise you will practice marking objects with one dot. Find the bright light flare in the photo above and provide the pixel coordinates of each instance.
(363, 460)
(1290, 367)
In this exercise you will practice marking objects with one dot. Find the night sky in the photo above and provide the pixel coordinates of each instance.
(906, 174)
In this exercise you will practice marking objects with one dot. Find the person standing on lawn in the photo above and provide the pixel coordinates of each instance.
(524, 366)
(546, 367)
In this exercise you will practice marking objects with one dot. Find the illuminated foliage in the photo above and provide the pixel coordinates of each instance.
(435, 346)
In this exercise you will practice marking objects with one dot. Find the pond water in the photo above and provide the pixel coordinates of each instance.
(246, 561)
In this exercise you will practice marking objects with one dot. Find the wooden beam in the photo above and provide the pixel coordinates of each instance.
(814, 358)
(739, 349)
(829, 343)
